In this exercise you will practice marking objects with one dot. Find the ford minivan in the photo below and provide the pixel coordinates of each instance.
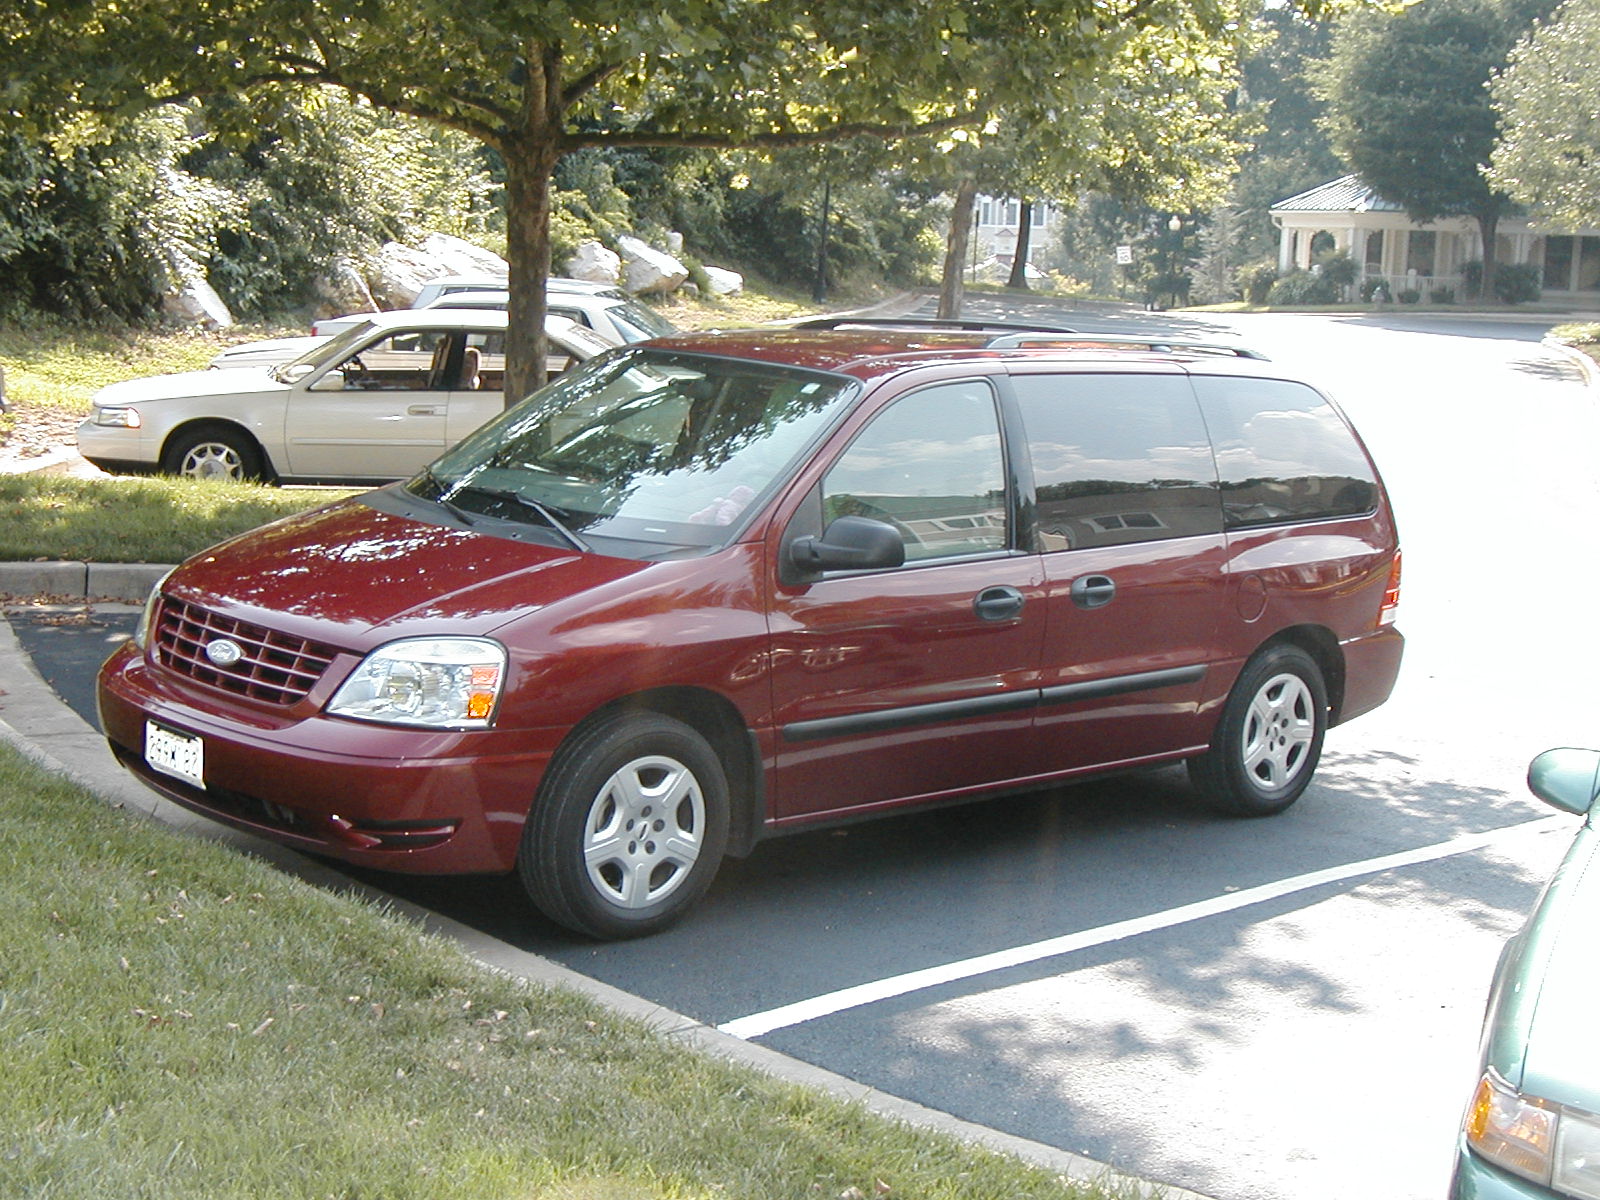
(716, 587)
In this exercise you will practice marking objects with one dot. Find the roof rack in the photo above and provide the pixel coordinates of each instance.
(956, 324)
(1009, 341)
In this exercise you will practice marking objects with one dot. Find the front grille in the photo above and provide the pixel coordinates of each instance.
(275, 668)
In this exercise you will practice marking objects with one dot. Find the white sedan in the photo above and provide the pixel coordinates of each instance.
(374, 403)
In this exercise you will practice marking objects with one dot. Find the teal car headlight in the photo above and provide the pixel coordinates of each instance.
(1548, 1143)
(440, 683)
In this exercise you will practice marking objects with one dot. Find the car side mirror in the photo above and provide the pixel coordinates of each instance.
(849, 544)
(333, 381)
(1567, 779)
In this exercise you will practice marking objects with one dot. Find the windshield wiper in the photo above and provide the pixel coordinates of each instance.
(533, 506)
(441, 497)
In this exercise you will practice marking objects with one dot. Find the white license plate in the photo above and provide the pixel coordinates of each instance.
(178, 754)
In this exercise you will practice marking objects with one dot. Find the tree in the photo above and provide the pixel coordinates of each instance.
(1409, 107)
(537, 80)
(1548, 157)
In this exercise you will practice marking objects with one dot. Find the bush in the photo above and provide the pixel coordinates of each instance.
(1255, 282)
(1339, 269)
(1410, 296)
(1375, 290)
(1442, 295)
(1514, 283)
(1302, 287)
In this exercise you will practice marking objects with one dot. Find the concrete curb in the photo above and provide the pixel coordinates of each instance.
(35, 721)
(124, 583)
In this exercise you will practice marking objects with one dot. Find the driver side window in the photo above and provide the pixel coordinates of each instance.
(931, 465)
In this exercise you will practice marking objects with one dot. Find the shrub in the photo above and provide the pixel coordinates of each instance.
(1375, 289)
(1302, 287)
(1514, 283)
(1255, 281)
(1442, 295)
(1410, 296)
(1339, 269)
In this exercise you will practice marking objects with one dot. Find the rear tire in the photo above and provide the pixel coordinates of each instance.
(628, 829)
(1269, 738)
(214, 452)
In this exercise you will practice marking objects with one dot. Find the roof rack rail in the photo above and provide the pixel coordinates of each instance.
(952, 323)
(1010, 341)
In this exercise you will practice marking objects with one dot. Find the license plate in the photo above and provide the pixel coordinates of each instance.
(181, 755)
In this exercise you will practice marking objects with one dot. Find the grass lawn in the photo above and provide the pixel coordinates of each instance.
(181, 1021)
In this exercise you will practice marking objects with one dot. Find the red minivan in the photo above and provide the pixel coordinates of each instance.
(720, 586)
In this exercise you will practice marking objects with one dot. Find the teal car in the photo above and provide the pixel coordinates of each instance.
(1533, 1127)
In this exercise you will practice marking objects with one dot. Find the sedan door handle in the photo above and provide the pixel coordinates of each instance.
(1093, 591)
(998, 603)
(426, 410)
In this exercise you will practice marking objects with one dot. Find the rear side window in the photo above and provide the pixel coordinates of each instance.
(1283, 453)
(1117, 459)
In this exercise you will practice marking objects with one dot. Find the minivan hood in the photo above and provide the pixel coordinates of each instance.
(353, 576)
(231, 382)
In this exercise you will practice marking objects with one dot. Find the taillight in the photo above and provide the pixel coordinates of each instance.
(1391, 593)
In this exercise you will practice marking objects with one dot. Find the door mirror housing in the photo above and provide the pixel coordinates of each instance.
(333, 381)
(849, 544)
(1567, 779)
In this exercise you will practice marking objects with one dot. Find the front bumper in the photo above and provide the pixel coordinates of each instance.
(1476, 1179)
(410, 800)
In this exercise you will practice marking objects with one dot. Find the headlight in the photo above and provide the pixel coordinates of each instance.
(443, 683)
(121, 418)
(1548, 1143)
(141, 635)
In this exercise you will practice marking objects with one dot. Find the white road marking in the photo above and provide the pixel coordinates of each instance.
(759, 1024)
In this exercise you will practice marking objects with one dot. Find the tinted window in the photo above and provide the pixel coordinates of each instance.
(1117, 458)
(931, 465)
(1283, 453)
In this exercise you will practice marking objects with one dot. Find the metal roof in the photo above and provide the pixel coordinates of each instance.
(1346, 194)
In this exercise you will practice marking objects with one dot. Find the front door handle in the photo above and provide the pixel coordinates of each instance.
(426, 410)
(998, 603)
(1093, 591)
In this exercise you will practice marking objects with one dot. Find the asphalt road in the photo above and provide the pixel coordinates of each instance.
(1256, 1010)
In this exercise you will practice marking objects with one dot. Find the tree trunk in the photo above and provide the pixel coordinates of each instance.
(1019, 261)
(1488, 225)
(955, 257)
(528, 169)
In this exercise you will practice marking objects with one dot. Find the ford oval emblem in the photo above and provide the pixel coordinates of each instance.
(224, 653)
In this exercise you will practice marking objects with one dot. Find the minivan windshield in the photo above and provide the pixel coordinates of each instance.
(644, 454)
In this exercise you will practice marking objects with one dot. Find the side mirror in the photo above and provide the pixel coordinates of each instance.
(1567, 779)
(850, 544)
(333, 381)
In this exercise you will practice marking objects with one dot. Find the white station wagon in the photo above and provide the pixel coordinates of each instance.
(375, 403)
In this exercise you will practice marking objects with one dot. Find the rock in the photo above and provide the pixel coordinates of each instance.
(456, 256)
(648, 271)
(343, 290)
(593, 262)
(192, 298)
(723, 281)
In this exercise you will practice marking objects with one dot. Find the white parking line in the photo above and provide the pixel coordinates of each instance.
(759, 1024)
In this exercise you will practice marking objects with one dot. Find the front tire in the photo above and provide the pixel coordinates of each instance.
(628, 828)
(214, 452)
(1269, 738)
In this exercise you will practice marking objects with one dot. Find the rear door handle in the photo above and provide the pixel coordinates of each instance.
(1093, 591)
(426, 410)
(1000, 603)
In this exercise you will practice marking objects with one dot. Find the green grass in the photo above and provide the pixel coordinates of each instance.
(155, 520)
(180, 1021)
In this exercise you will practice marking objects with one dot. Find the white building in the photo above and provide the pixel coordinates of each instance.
(1346, 215)
(995, 223)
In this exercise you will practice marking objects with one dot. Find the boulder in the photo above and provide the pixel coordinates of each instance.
(723, 281)
(594, 263)
(648, 271)
(456, 256)
(343, 290)
(191, 298)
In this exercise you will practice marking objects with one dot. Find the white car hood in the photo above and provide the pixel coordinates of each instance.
(233, 382)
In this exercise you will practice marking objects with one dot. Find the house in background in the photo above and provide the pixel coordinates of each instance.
(1345, 215)
(995, 223)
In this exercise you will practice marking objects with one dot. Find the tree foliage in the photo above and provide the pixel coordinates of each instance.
(1548, 157)
(1409, 108)
(538, 79)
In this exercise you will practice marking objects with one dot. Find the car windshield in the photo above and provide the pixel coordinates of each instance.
(645, 454)
(332, 350)
(638, 322)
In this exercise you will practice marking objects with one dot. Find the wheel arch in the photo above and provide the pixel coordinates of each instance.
(1319, 642)
(716, 719)
(195, 425)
